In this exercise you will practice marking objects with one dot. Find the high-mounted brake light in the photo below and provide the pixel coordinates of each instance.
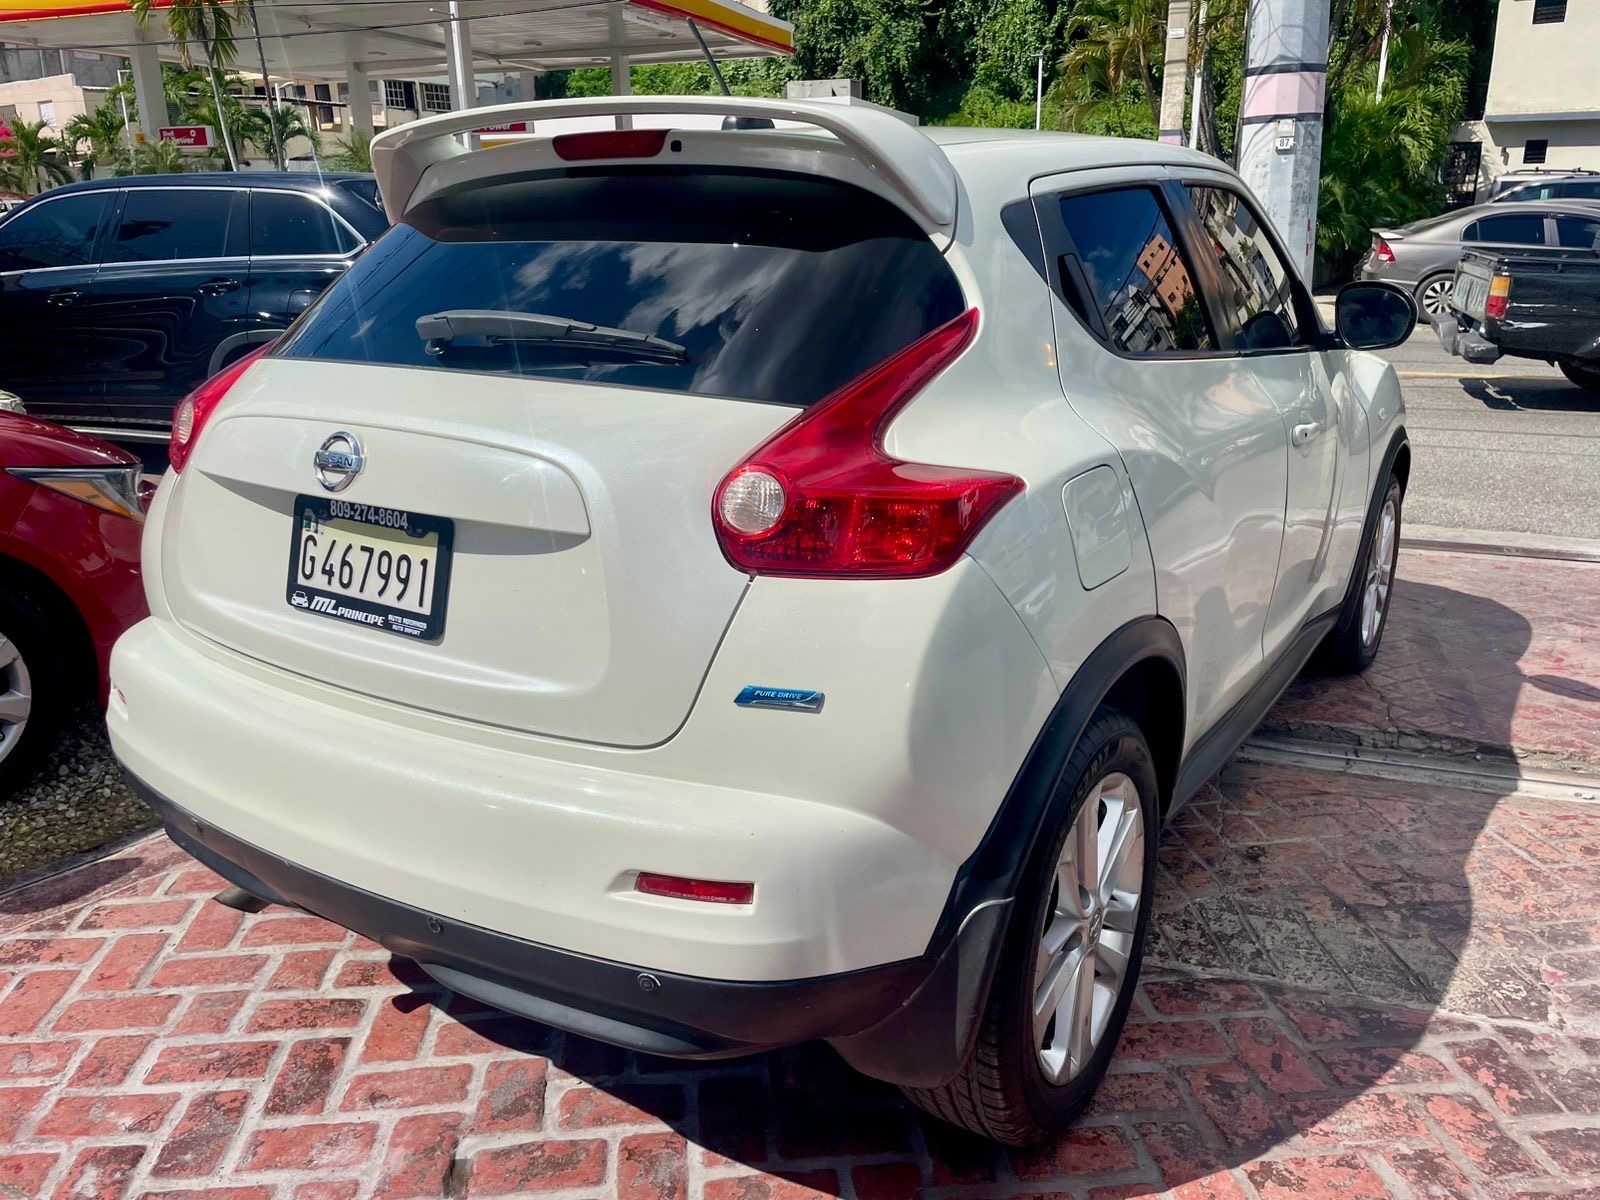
(191, 415)
(1381, 250)
(821, 497)
(711, 891)
(1499, 297)
(609, 143)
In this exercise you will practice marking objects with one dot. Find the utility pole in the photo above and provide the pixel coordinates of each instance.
(1038, 94)
(1280, 115)
(1199, 79)
(1175, 72)
(1383, 47)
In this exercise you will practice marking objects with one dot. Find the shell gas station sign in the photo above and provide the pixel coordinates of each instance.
(33, 10)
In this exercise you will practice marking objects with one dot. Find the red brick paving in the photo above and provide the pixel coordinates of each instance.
(1480, 650)
(1355, 988)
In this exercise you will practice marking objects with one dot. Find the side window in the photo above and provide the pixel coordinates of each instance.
(1577, 232)
(1513, 229)
(1127, 270)
(57, 233)
(1588, 189)
(1257, 286)
(283, 223)
(171, 224)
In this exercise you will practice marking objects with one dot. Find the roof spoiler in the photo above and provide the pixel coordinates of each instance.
(911, 164)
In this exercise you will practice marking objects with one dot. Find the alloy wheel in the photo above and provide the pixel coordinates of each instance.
(16, 696)
(1435, 298)
(1380, 573)
(1083, 957)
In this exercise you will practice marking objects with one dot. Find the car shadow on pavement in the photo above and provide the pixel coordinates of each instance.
(1335, 961)
(1510, 394)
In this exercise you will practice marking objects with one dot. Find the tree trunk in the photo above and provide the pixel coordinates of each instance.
(222, 117)
(1151, 92)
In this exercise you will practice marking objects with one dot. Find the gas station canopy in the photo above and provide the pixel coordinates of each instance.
(406, 38)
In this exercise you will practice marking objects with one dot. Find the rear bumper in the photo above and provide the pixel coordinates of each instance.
(655, 1011)
(1462, 340)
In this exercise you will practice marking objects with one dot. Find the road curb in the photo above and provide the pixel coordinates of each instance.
(1502, 542)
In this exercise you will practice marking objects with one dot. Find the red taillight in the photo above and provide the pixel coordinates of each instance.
(609, 143)
(821, 497)
(709, 890)
(1381, 250)
(1499, 297)
(191, 415)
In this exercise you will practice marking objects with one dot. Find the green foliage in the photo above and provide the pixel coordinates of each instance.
(254, 125)
(205, 23)
(1115, 48)
(31, 160)
(353, 153)
(97, 138)
(745, 77)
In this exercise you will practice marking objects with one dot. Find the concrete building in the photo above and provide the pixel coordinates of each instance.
(1543, 107)
(55, 100)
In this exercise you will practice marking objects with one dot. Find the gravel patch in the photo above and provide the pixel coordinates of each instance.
(78, 800)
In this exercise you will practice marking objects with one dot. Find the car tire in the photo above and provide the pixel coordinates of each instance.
(1588, 378)
(38, 678)
(1433, 295)
(1025, 1078)
(1353, 643)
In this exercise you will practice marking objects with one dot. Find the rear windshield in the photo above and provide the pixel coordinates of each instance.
(769, 287)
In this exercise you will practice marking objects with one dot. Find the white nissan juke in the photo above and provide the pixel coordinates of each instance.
(714, 589)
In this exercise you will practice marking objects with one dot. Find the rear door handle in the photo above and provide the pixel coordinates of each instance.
(219, 287)
(65, 297)
(1301, 434)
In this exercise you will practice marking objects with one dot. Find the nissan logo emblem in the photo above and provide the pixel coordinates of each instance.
(339, 461)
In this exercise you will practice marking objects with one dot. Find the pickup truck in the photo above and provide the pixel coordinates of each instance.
(1541, 304)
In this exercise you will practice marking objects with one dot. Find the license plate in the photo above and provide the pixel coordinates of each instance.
(385, 568)
(1471, 295)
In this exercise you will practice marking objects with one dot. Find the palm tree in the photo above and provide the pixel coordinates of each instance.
(105, 134)
(208, 24)
(1119, 40)
(34, 160)
(268, 129)
(353, 153)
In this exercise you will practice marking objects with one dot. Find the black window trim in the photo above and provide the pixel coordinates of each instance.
(97, 250)
(1314, 336)
(1058, 242)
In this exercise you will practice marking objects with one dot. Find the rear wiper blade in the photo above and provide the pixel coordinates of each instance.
(498, 327)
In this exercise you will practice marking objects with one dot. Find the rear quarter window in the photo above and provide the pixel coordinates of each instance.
(778, 287)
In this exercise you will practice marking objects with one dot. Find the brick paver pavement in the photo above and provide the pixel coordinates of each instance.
(1356, 989)
(1481, 651)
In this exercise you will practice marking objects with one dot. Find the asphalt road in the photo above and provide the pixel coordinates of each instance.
(1512, 447)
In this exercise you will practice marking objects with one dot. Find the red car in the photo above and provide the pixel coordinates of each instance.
(71, 515)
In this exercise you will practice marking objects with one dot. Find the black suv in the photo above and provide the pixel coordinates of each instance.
(118, 297)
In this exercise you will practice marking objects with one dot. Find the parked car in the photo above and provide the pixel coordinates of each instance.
(1541, 304)
(712, 590)
(1422, 256)
(1547, 185)
(72, 512)
(119, 297)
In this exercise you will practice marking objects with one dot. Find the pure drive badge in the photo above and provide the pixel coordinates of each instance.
(794, 699)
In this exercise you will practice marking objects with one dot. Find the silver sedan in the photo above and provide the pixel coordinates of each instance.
(1422, 256)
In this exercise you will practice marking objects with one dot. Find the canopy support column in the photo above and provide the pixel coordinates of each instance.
(147, 90)
(621, 78)
(355, 75)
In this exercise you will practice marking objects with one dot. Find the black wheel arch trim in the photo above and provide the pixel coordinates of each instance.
(925, 1041)
(1349, 607)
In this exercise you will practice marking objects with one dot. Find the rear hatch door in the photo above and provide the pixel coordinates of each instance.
(529, 391)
